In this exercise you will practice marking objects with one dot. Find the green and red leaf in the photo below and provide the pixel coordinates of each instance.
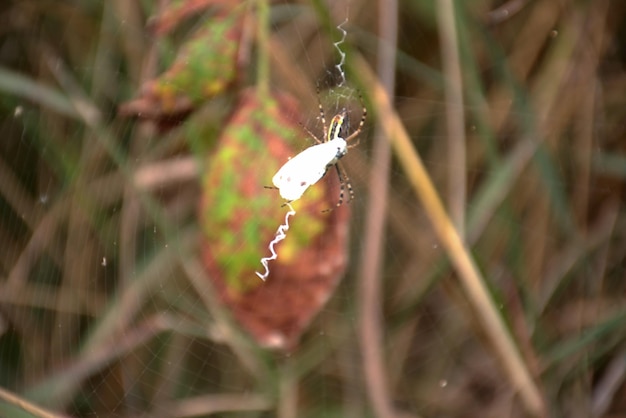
(205, 66)
(239, 217)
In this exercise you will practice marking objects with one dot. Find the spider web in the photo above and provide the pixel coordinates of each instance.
(105, 310)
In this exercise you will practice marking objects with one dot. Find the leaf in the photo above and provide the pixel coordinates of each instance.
(178, 11)
(205, 66)
(239, 217)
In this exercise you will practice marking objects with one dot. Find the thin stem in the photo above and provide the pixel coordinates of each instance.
(455, 119)
(471, 280)
(371, 334)
(24, 405)
(288, 402)
(263, 64)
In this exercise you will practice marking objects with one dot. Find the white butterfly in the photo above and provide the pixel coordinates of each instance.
(308, 167)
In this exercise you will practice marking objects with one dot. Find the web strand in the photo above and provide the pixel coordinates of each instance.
(342, 54)
(280, 235)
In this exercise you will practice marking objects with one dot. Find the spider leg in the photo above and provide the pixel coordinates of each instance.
(344, 182)
(319, 105)
(361, 123)
(311, 134)
(358, 141)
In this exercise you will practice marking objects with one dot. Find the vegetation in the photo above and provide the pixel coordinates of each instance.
(478, 271)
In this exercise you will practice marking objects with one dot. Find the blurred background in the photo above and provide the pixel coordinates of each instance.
(478, 270)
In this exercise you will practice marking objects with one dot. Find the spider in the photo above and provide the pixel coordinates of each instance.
(308, 167)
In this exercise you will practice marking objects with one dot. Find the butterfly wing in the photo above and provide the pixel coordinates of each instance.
(304, 170)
